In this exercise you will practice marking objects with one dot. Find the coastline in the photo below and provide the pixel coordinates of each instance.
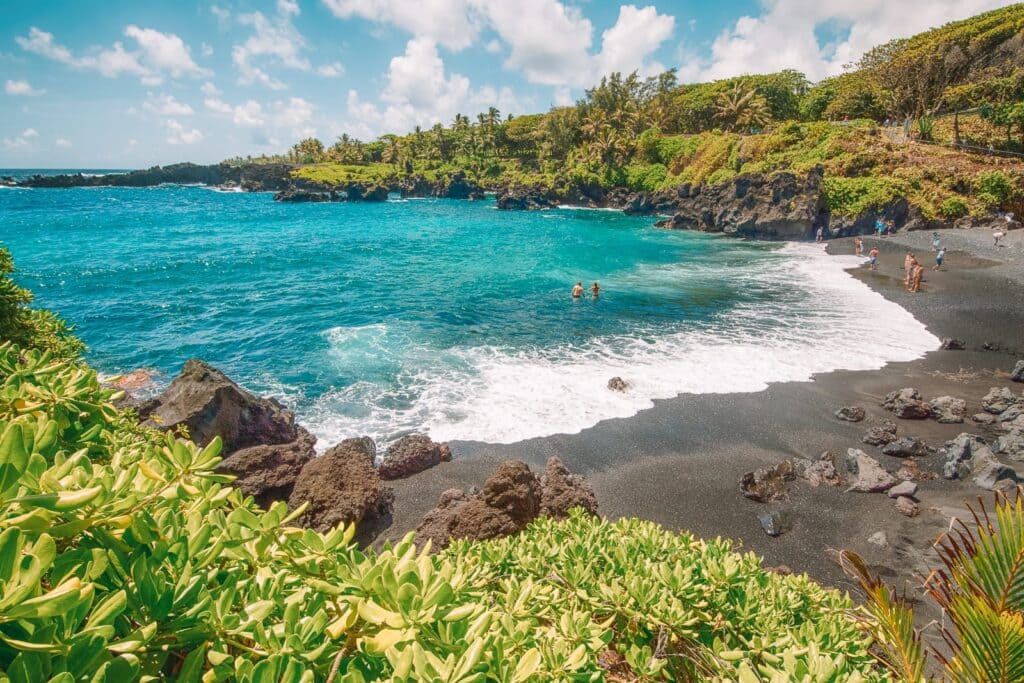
(679, 463)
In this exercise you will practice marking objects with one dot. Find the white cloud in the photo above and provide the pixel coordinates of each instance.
(219, 12)
(420, 92)
(206, 49)
(549, 41)
(180, 135)
(210, 89)
(166, 105)
(62, 142)
(22, 88)
(452, 23)
(332, 70)
(21, 141)
(274, 40)
(784, 34)
(158, 54)
(291, 118)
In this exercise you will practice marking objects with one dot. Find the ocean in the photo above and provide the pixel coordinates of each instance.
(439, 316)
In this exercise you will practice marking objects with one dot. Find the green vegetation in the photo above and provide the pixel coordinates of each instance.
(124, 556)
(28, 326)
(651, 134)
(980, 590)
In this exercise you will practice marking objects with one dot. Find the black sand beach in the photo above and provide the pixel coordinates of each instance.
(680, 462)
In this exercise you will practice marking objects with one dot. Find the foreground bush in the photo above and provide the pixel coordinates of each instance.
(125, 556)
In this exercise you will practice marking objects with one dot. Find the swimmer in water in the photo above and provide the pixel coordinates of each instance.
(595, 290)
(577, 291)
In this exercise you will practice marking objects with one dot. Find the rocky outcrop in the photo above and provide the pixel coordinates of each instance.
(411, 454)
(208, 404)
(521, 198)
(294, 196)
(509, 500)
(768, 484)
(249, 177)
(561, 491)
(907, 404)
(779, 206)
(871, 476)
(959, 452)
(458, 186)
(415, 186)
(343, 486)
(268, 472)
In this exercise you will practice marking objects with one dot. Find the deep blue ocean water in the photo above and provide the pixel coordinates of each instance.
(443, 316)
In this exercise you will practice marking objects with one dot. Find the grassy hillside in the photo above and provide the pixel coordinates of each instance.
(649, 134)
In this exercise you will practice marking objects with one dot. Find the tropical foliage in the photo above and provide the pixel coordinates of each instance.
(24, 325)
(980, 589)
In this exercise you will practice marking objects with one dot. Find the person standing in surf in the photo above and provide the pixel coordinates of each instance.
(858, 246)
(595, 290)
(873, 258)
(938, 259)
(577, 291)
(908, 268)
(915, 278)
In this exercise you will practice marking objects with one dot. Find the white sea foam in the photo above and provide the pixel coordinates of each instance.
(502, 396)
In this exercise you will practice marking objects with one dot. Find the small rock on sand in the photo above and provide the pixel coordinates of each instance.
(997, 400)
(906, 506)
(949, 410)
(850, 414)
(952, 344)
(871, 476)
(904, 488)
(775, 523)
(878, 538)
(1018, 372)
(881, 435)
(907, 447)
(766, 484)
(618, 384)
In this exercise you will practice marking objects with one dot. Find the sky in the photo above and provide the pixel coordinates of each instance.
(127, 84)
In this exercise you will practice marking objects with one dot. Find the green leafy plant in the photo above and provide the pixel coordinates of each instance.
(980, 587)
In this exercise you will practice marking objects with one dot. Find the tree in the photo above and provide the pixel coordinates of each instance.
(742, 109)
(308, 151)
(392, 153)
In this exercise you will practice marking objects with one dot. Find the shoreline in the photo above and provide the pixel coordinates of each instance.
(679, 463)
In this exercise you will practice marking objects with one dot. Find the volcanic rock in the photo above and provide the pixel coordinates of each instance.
(949, 410)
(850, 414)
(618, 384)
(343, 486)
(907, 404)
(908, 446)
(997, 400)
(907, 506)
(268, 472)
(951, 344)
(525, 198)
(766, 484)
(411, 454)
(1018, 372)
(818, 472)
(562, 490)
(904, 488)
(208, 404)
(881, 434)
(871, 476)
(775, 523)
(959, 452)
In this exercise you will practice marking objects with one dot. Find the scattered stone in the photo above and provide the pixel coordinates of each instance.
(766, 484)
(411, 454)
(818, 472)
(871, 476)
(1010, 445)
(208, 404)
(618, 384)
(781, 570)
(775, 523)
(990, 346)
(984, 418)
(132, 381)
(910, 470)
(1010, 414)
(561, 490)
(952, 344)
(949, 410)
(959, 453)
(881, 435)
(878, 538)
(988, 471)
(907, 404)
(906, 506)
(1018, 372)
(904, 488)
(509, 500)
(908, 447)
(997, 400)
(268, 472)
(343, 486)
(850, 414)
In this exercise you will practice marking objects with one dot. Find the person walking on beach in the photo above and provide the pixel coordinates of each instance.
(938, 259)
(873, 258)
(858, 246)
(820, 237)
(908, 268)
(595, 290)
(998, 235)
(915, 278)
(879, 226)
(577, 291)
(935, 241)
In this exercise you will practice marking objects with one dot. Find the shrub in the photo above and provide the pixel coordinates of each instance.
(30, 327)
(994, 188)
(854, 196)
(645, 177)
(953, 207)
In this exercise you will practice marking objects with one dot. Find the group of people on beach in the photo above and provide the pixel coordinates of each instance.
(913, 271)
(577, 291)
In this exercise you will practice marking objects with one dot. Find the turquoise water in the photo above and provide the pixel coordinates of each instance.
(437, 315)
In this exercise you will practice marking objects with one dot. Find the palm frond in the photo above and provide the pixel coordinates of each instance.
(991, 643)
(901, 649)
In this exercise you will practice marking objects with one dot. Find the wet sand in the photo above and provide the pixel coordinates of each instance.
(680, 462)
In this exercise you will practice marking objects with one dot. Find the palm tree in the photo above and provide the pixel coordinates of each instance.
(392, 153)
(742, 108)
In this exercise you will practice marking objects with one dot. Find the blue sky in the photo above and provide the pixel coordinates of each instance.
(128, 84)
